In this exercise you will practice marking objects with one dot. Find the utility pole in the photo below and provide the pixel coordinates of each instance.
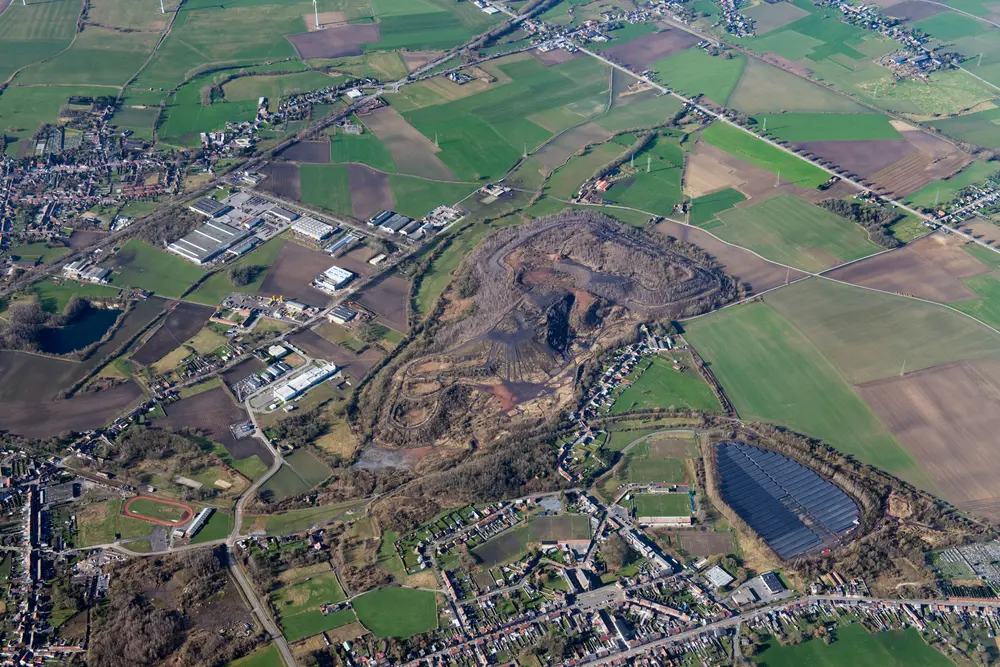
(902, 371)
(777, 179)
(436, 144)
(162, 9)
(316, 10)
(937, 193)
(764, 131)
(980, 60)
(525, 153)
(649, 160)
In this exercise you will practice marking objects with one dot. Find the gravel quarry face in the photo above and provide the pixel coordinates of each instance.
(527, 308)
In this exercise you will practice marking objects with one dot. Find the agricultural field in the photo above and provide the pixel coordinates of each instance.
(795, 233)
(427, 24)
(33, 33)
(298, 606)
(765, 88)
(946, 189)
(748, 148)
(661, 386)
(185, 116)
(98, 56)
(326, 186)
(694, 72)
(140, 265)
(364, 149)
(263, 657)
(277, 86)
(801, 127)
(397, 612)
(655, 185)
(661, 504)
(219, 286)
(704, 209)
(565, 182)
(854, 645)
(23, 110)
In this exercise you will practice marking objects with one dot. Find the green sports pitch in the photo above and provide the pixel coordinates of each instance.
(661, 504)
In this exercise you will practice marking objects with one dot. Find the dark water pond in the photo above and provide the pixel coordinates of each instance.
(83, 331)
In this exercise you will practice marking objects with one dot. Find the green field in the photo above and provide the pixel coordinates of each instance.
(311, 468)
(946, 189)
(796, 233)
(427, 24)
(184, 117)
(100, 523)
(855, 646)
(299, 611)
(326, 186)
(748, 148)
(397, 612)
(765, 88)
(153, 509)
(277, 86)
(657, 190)
(263, 657)
(704, 209)
(97, 57)
(656, 471)
(39, 251)
(363, 148)
(977, 128)
(218, 286)
(660, 386)
(987, 307)
(416, 197)
(294, 521)
(35, 32)
(797, 127)
(219, 525)
(23, 110)
(145, 267)
(639, 111)
(745, 344)
(567, 179)
(695, 72)
(661, 504)
(482, 135)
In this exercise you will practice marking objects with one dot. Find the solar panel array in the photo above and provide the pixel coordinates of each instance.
(773, 494)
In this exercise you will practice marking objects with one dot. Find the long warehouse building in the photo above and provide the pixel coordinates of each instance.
(208, 242)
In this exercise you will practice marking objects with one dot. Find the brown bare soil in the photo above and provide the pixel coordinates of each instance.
(308, 152)
(412, 152)
(930, 268)
(357, 261)
(758, 273)
(555, 56)
(556, 152)
(296, 267)
(317, 346)
(935, 159)
(211, 412)
(335, 42)
(83, 412)
(984, 230)
(705, 172)
(947, 417)
(388, 298)
(241, 370)
(705, 544)
(863, 158)
(641, 51)
(82, 238)
(282, 180)
(416, 59)
(370, 191)
(181, 324)
(326, 20)
(914, 10)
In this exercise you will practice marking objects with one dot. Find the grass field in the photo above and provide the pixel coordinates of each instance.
(946, 189)
(23, 110)
(661, 504)
(855, 646)
(795, 233)
(704, 209)
(748, 148)
(153, 509)
(312, 469)
(363, 148)
(184, 117)
(482, 135)
(262, 657)
(102, 522)
(326, 186)
(218, 286)
(397, 612)
(299, 603)
(35, 32)
(656, 471)
(55, 295)
(97, 57)
(693, 72)
(219, 525)
(804, 391)
(660, 386)
(283, 484)
(658, 190)
(277, 86)
(765, 88)
(140, 265)
(416, 197)
(796, 127)
(294, 521)
(649, 112)
(566, 180)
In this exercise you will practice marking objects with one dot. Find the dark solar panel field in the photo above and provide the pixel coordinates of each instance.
(791, 507)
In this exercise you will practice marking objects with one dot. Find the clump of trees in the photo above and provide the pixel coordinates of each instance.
(617, 553)
(245, 274)
(876, 220)
(23, 328)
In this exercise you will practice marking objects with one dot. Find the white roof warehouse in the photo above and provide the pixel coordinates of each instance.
(207, 242)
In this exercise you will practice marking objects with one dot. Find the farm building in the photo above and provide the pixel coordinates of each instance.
(332, 279)
(341, 314)
(209, 208)
(86, 272)
(207, 242)
(302, 382)
(312, 228)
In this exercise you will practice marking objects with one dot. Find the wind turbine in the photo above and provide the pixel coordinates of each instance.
(315, 9)
(162, 10)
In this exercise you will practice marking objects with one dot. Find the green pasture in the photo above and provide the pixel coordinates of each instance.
(944, 190)
(97, 57)
(38, 251)
(23, 110)
(627, 32)
(949, 92)
(660, 386)
(140, 265)
(326, 186)
(219, 525)
(299, 611)
(308, 465)
(428, 24)
(656, 471)
(640, 110)
(858, 330)
(218, 286)
(749, 148)
(32, 33)
(765, 88)
(416, 197)
(978, 128)
(482, 135)
(796, 233)
(661, 504)
(704, 209)
(799, 127)
(277, 86)
(856, 647)
(695, 72)
(987, 307)
(184, 117)
(949, 26)
(773, 373)
(140, 121)
(362, 148)
(103, 522)
(294, 521)
(567, 179)
(397, 612)
(262, 657)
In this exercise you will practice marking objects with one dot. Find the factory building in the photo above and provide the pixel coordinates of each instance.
(332, 279)
(312, 228)
(302, 382)
(208, 242)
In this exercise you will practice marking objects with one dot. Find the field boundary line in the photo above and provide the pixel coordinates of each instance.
(156, 48)
(79, 23)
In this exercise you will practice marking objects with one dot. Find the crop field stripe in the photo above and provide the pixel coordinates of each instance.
(750, 149)
(801, 127)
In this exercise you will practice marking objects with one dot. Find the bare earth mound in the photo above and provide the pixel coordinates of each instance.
(931, 268)
(947, 417)
(642, 51)
(370, 191)
(412, 152)
(335, 42)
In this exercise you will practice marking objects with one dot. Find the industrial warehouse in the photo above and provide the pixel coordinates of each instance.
(208, 242)
(302, 382)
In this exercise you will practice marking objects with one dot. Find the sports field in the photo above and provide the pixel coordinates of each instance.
(140, 265)
(795, 233)
(661, 504)
(660, 386)
(656, 471)
(158, 511)
(397, 612)
(856, 647)
(797, 127)
(750, 149)
(298, 606)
